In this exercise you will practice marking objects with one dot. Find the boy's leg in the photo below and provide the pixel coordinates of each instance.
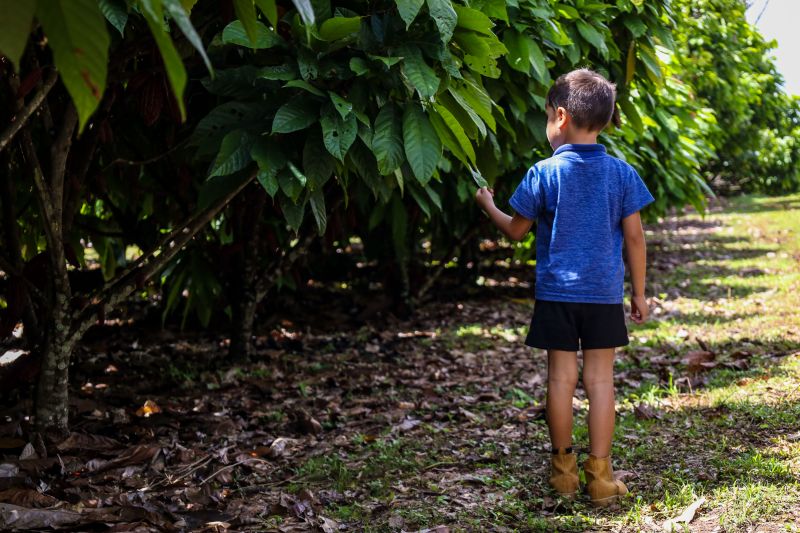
(562, 377)
(598, 381)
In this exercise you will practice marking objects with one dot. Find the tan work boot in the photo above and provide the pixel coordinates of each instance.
(564, 472)
(603, 489)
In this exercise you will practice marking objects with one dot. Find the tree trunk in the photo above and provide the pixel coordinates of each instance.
(52, 390)
(244, 317)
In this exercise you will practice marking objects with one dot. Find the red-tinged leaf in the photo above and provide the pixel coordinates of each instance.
(29, 82)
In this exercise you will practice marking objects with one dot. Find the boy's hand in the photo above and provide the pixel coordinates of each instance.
(639, 309)
(485, 197)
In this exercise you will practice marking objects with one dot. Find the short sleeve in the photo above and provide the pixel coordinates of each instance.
(636, 195)
(527, 199)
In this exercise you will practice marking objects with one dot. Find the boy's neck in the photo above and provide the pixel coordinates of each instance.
(581, 137)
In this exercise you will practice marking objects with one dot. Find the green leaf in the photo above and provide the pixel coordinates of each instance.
(632, 114)
(493, 8)
(300, 84)
(16, 27)
(338, 133)
(246, 13)
(318, 164)
(418, 72)
(234, 153)
(651, 62)
(292, 182)
(630, 63)
(270, 160)
(591, 34)
(471, 113)
(358, 66)
(176, 72)
(234, 33)
(181, 18)
(337, 28)
(524, 53)
(77, 35)
(457, 130)
(297, 114)
(472, 19)
(635, 25)
(421, 144)
(317, 200)
(342, 106)
(269, 9)
(278, 72)
(444, 16)
(115, 12)
(478, 99)
(292, 212)
(306, 11)
(387, 142)
(408, 10)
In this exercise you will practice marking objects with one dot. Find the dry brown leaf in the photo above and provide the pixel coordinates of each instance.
(14, 517)
(150, 407)
(82, 441)
(684, 518)
(698, 360)
(132, 456)
(27, 498)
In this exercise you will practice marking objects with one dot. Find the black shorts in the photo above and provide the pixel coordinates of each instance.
(572, 326)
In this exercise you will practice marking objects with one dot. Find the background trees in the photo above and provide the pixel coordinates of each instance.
(361, 126)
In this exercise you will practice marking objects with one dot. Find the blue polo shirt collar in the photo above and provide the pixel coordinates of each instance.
(582, 149)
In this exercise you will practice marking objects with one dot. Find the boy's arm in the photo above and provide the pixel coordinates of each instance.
(515, 228)
(637, 261)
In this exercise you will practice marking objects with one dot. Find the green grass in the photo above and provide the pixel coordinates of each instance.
(730, 282)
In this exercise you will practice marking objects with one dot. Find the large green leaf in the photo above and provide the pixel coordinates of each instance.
(318, 164)
(418, 72)
(472, 19)
(181, 18)
(270, 159)
(317, 201)
(339, 27)
(292, 212)
(297, 114)
(270, 10)
(420, 142)
(235, 33)
(478, 99)
(338, 133)
(387, 142)
(591, 34)
(77, 35)
(15, 28)
(234, 153)
(524, 53)
(306, 10)
(408, 10)
(444, 16)
(115, 12)
(246, 13)
(176, 72)
(457, 130)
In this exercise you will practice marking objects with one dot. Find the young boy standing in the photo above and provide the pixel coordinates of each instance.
(585, 203)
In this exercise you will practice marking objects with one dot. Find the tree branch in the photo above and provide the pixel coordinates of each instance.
(149, 264)
(25, 113)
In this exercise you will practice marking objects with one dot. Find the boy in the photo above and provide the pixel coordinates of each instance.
(585, 203)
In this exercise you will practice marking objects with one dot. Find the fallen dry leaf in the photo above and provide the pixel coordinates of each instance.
(27, 498)
(150, 407)
(685, 517)
(14, 517)
(82, 441)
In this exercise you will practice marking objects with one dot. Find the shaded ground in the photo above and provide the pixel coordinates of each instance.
(437, 421)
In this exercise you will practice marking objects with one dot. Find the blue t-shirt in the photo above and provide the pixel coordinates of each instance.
(579, 197)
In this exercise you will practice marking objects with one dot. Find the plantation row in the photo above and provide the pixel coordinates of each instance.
(202, 151)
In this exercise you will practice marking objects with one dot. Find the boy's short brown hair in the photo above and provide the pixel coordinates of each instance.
(587, 96)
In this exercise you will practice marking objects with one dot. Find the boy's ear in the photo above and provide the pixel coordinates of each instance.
(562, 117)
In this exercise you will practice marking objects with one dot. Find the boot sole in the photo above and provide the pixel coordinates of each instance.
(606, 502)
